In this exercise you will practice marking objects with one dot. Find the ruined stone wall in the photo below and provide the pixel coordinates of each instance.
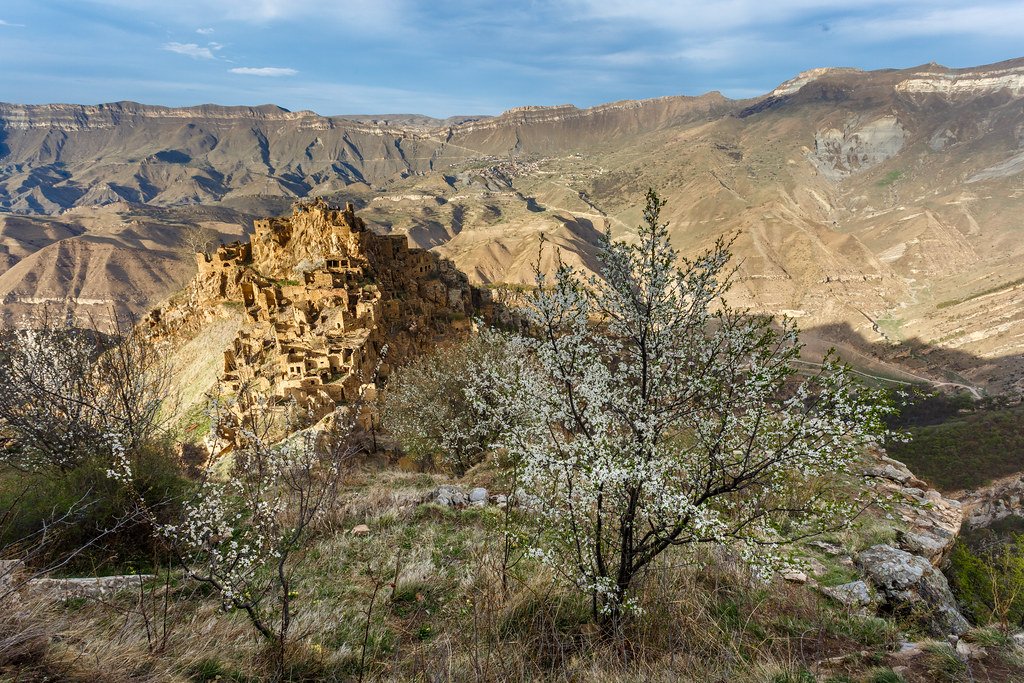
(320, 296)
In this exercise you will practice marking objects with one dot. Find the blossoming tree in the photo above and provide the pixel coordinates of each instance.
(434, 407)
(256, 510)
(69, 394)
(649, 414)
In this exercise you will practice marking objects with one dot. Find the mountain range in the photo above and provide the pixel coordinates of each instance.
(880, 209)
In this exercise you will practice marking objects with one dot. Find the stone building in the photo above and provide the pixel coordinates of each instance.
(321, 295)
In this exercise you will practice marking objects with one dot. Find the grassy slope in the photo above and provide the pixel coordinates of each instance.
(966, 451)
(440, 614)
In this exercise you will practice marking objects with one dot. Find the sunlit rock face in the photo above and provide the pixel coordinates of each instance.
(321, 297)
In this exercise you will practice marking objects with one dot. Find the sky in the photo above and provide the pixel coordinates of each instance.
(443, 58)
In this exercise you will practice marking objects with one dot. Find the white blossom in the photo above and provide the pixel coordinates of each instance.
(646, 413)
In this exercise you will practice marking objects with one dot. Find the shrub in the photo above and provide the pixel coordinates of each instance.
(989, 581)
(80, 518)
(428, 408)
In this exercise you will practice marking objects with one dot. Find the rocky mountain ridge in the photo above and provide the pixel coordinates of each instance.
(880, 207)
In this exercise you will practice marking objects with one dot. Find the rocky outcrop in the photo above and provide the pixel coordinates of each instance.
(987, 504)
(908, 579)
(969, 83)
(910, 584)
(840, 153)
(930, 522)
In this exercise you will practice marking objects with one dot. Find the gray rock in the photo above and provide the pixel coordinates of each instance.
(969, 650)
(794, 576)
(853, 594)
(898, 474)
(910, 582)
(827, 548)
(478, 495)
(88, 587)
(922, 543)
(527, 501)
(447, 496)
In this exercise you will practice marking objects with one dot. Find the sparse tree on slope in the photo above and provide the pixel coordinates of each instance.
(427, 407)
(649, 415)
(69, 394)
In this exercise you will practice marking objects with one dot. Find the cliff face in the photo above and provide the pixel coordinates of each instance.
(320, 296)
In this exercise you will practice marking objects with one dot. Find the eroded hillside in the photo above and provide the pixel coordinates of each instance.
(882, 205)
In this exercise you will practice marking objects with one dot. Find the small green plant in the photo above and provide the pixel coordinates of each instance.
(213, 670)
(801, 675)
(885, 675)
(890, 178)
(943, 663)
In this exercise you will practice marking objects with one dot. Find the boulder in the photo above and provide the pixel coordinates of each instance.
(969, 650)
(910, 583)
(478, 495)
(900, 475)
(794, 576)
(853, 594)
(447, 496)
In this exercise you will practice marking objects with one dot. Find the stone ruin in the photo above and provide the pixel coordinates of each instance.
(321, 295)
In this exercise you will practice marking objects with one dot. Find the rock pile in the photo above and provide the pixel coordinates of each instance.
(455, 497)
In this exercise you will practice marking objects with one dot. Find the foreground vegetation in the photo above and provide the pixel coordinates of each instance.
(419, 598)
(661, 471)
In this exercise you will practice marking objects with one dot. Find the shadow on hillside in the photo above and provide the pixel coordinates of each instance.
(915, 360)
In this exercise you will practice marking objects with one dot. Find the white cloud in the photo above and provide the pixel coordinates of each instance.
(190, 50)
(989, 20)
(271, 71)
(9, 24)
(378, 14)
(204, 31)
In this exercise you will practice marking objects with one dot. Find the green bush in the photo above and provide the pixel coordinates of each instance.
(88, 514)
(989, 581)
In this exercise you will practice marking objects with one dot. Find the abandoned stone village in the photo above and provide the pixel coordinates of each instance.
(321, 295)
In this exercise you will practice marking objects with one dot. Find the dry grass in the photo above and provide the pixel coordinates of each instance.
(440, 614)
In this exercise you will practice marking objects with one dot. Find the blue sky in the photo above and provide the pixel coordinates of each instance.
(469, 57)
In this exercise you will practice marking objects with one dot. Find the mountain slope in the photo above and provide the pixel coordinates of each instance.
(886, 204)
